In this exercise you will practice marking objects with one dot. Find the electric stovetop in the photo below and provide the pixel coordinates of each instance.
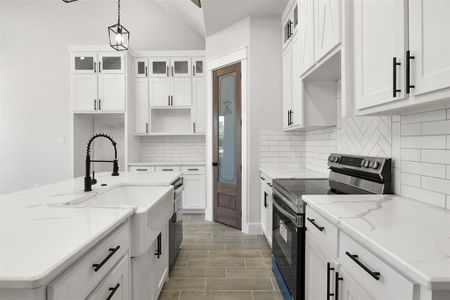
(290, 191)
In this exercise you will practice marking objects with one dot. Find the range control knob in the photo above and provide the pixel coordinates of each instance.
(374, 165)
(367, 163)
(336, 159)
(363, 162)
(330, 158)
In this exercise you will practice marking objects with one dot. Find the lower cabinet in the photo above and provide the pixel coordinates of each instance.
(266, 208)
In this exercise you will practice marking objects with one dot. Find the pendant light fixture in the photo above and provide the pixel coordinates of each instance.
(119, 36)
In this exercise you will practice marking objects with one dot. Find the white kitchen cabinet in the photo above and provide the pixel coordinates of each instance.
(159, 67)
(198, 67)
(429, 43)
(141, 106)
(199, 105)
(194, 196)
(349, 289)
(83, 62)
(306, 36)
(380, 45)
(266, 208)
(181, 91)
(111, 92)
(327, 18)
(290, 22)
(160, 92)
(116, 285)
(141, 67)
(287, 86)
(160, 268)
(84, 92)
(111, 62)
(180, 66)
(320, 271)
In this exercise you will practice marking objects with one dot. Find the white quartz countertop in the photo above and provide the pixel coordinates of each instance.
(292, 173)
(411, 236)
(168, 163)
(40, 237)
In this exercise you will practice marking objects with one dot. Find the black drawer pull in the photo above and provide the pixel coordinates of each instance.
(262, 178)
(395, 90)
(265, 200)
(111, 253)
(167, 170)
(409, 57)
(354, 257)
(112, 291)
(193, 169)
(142, 170)
(158, 251)
(313, 221)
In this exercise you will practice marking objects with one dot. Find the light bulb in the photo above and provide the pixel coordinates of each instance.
(119, 38)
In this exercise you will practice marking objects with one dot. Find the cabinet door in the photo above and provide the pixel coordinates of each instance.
(116, 284)
(84, 63)
(379, 38)
(287, 30)
(319, 271)
(306, 35)
(111, 92)
(159, 67)
(429, 43)
(160, 91)
(198, 66)
(160, 269)
(199, 109)
(111, 63)
(194, 196)
(269, 217)
(296, 100)
(84, 92)
(348, 289)
(181, 67)
(141, 106)
(327, 16)
(287, 84)
(263, 203)
(182, 92)
(141, 67)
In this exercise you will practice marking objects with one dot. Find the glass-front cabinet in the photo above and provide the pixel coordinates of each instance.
(141, 67)
(111, 62)
(94, 62)
(198, 66)
(83, 63)
(181, 67)
(159, 67)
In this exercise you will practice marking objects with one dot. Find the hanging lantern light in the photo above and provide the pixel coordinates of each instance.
(119, 36)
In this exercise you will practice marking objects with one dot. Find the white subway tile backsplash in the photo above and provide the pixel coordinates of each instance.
(436, 156)
(434, 170)
(411, 129)
(173, 149)
(438, 127)
(410, 154)
(430, 197)
(423, 142)
(436, 184)
(410, 179)
(281, 149)
(448, 141)
(424, 117)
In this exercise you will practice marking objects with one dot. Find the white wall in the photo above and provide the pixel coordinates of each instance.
(234, 37)
(35, 78)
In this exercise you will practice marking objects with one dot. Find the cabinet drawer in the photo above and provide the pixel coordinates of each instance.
(142, 169)
(80, 279)
(323, 232)
(116, 283)
(193, 170)
(377, 278)
(167, 169)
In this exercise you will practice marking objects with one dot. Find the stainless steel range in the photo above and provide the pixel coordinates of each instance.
(349, 174)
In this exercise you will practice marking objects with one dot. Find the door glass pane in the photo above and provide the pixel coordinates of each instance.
(159, 67)
(199, 66)
(84, 63)
(111, 63)
(227, 124)
(181, 67)
(141, 67)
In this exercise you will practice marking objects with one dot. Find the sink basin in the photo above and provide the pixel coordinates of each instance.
(153, 209)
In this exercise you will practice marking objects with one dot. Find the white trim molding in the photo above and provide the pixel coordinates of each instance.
(236, 56)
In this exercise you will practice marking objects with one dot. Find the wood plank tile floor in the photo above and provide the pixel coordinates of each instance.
(217, 262)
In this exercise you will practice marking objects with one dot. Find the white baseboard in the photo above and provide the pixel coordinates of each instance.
(254, 228)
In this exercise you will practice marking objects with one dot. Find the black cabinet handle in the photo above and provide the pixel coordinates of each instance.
(193, 127)
(146, 71)
(112, 291)
(171, 99)
(158, 251)
(168, 100)
(354, 257)
(192, 169)
(292, 113)
(269, 184)
(395, 63)
(95, 67)
(111, 253)
(336, 288)
(168, 71)
(95, 104)
(99, 104)
(262, 178)
(313, 221)
(193, 70)
(142, 170)
(265, 200)
(99, 67)
(146, 127)
(167, 170)
(409, 86)
(329, 269)
(289, 118)
(172, 71)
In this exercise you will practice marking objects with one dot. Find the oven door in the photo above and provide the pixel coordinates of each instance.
(288, 237)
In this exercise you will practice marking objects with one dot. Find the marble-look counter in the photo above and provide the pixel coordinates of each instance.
(40, 236)
(292, 173)
(169, 163)
(411, 236)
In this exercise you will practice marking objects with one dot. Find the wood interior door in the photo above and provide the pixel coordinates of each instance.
(227, 145)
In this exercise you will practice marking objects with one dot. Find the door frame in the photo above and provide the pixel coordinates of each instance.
(236, 56)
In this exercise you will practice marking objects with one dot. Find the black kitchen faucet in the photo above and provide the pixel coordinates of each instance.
(88, 181)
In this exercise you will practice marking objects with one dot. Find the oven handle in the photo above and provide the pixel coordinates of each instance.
(285, 213)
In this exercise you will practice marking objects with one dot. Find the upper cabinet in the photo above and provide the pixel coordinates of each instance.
(327, 17)
(159, 67)
(98, 81)
(181, 67)
(198, 67)
(401, 54)
(306, 35)
(290, 23)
